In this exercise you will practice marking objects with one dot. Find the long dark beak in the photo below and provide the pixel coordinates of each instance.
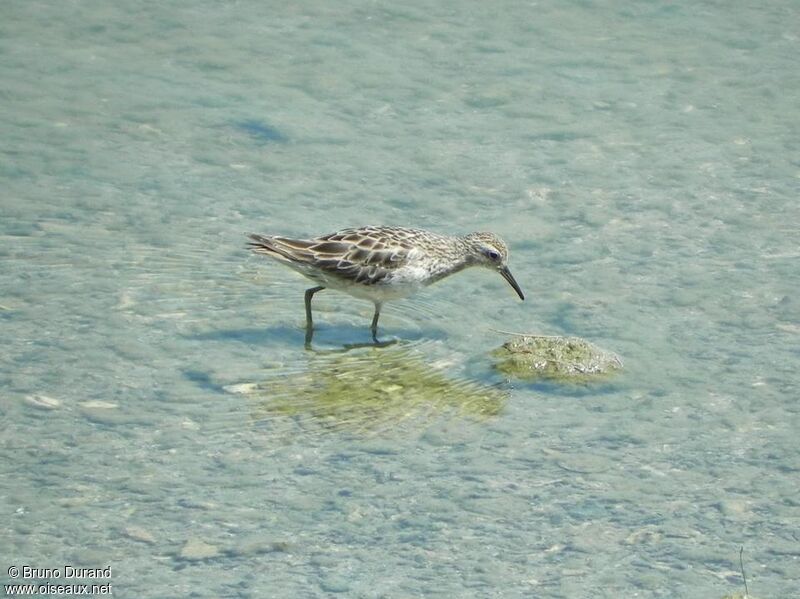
(510, 278)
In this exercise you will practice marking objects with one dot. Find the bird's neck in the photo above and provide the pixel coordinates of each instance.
(448, 265)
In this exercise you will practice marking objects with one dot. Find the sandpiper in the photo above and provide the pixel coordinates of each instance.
(383, 263)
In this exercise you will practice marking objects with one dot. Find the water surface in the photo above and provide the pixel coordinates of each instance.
(640, 160)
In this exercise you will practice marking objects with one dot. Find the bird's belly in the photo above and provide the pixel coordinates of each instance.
(377, 292)
(396, 286)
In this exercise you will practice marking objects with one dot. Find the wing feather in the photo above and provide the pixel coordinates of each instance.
(366, 255)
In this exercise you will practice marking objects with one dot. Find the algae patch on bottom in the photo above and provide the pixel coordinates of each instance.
(560, 359)
(371, 390)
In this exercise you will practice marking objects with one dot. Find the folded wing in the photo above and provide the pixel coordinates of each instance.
(356, 255)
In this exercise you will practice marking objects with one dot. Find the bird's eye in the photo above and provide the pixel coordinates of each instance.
(492, 255)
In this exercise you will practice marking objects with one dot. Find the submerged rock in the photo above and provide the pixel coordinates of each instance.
(566, 359)
(42, 402)
(371, 390)
(197, 549)
(138, 533)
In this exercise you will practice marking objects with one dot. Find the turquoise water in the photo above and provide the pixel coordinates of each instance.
(641, 160)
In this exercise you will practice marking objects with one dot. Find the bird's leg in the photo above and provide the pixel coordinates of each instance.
(309, 321)
(374, 327)
(309, 294)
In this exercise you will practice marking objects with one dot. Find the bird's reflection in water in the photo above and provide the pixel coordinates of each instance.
(370, 390)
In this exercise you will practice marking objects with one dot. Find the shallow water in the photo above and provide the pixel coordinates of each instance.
(641, 162)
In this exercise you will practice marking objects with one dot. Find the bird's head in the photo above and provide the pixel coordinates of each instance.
(489, 251)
